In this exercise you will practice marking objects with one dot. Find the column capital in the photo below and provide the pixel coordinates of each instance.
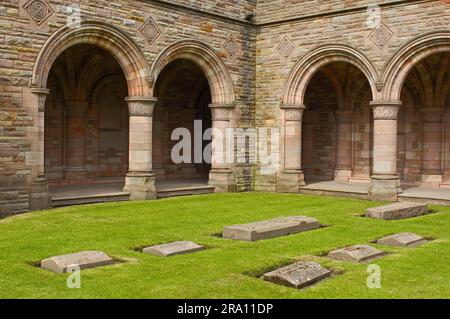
(41, 95)
(222, 112)
(293, 113)
(385, 110)
(141, 105)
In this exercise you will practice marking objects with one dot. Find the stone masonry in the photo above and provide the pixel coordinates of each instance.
(91, 90)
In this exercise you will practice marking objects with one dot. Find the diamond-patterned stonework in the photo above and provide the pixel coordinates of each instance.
(150, 30)
(38, 10)
(286, 47)
(381, 35)
(231, 47)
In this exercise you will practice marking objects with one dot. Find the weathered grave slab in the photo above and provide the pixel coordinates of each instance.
(357, 253)
(268, 229)
(172, 249)
(402, 240)
(400, 210)
(298, 275)
(84, 259)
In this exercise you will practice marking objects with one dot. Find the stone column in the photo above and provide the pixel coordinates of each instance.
(432, 134)
(221, 175)
(39, 194)
(140, 180)
(344, 145)
(158, 147)
(75, 160)
(291, 178)
(385, 180)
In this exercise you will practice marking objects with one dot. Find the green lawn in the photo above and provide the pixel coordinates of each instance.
(227, 269)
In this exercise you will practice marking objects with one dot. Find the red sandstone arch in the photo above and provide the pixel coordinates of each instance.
(108, 37)
(300, 76)
(205, 58)
(399, 66)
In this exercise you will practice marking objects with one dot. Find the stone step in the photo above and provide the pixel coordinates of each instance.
(400, 210)
(186, 191)
(269, 229)
(91, 199)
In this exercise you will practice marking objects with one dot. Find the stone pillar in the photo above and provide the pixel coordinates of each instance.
(158, 147)
(39, 194)
(140, 180)
(291, 178)
(344, 145)
(385, 180)
(75, 160)
(432, 140)
(221, 175)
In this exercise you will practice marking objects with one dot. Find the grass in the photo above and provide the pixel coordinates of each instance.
(227, 269)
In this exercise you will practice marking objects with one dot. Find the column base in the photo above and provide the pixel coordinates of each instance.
(40, 197)
(385, 188)
(290, 181)
(141, 186)
(222, 180)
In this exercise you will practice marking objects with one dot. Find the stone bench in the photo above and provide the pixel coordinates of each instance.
(400, 210)
(85, 259)
(172, 249)
(277, 227)
(298, 275)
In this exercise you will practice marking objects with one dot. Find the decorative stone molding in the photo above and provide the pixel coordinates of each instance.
(221, 84)
(293, 113)
(141, 106)
(381, 35)
(385, 110)
(231, 47)
(286, 47)
(150, 31)
(39, 10)
(42, 96)
(222, 112)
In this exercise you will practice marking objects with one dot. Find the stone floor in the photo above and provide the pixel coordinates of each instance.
(112, 191)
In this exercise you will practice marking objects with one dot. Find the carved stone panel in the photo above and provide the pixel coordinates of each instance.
(39, 10)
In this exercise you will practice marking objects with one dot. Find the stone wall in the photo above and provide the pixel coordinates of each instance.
(281, 45)
(153, 25)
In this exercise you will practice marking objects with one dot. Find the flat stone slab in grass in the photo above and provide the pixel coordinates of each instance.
(402, 240)
(172, 249)
(268, 229)
(84, 259)
(357, 253)
(298, 275)
(400, 210)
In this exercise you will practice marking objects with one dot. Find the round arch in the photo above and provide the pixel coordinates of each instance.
(399, 66)
(108, 37)
(204, 57)
(300, 76)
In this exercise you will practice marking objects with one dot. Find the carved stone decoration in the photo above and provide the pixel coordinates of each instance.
(150, 31)
(385, 110)
(231, 47)
(381, 35)
(141, 106)
(286, 47)
(42, 96)
(293, 113)
(38, 10)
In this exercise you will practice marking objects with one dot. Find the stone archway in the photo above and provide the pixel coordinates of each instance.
(139, 181)
(417, 75)
(222, 107)
(291, 178)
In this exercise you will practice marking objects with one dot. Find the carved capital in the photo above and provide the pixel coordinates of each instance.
(293, 113)
(141, 106)
(41, 96)
(385, 110)
(222, 112)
